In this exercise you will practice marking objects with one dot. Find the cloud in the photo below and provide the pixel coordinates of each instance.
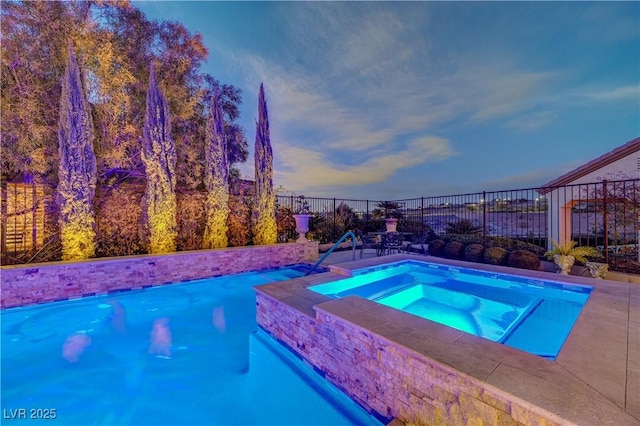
(300, 108)
(504, 93)
(352, 41)
(531, 121)
(620, 21)
(530, 179)
(624, 93)
(303, 168)
(377, 60)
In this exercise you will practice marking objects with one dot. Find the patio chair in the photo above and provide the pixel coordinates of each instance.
(392, 242)
(367, 242)
(419, 244)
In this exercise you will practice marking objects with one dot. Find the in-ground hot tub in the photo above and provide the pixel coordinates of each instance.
(398, 364)
(528, 314)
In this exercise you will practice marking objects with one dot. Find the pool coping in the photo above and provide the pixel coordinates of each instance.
(598, 385)
(36, 283)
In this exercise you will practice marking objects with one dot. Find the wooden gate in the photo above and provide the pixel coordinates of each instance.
(23, 216)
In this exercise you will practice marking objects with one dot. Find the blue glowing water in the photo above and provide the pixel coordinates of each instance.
(532, 315)
(182, 354)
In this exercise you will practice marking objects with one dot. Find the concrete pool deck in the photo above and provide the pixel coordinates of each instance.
(595, 379)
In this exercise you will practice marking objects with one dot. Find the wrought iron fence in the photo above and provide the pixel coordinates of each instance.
(601, 214)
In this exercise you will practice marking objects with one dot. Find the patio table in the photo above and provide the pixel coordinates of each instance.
(384, 248)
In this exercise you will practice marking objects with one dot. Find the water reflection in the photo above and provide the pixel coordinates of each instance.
(74, 346)
(160, 338)
(118, 319)
(219, 322)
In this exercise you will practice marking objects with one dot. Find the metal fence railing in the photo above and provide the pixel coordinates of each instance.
(603, 214)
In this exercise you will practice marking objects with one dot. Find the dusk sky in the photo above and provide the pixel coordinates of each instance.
(385, 100)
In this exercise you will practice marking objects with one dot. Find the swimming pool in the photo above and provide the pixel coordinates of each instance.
(528, 314)
(186, 353)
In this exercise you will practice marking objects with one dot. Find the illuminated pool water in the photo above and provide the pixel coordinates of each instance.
(181, 354)
(529, 314)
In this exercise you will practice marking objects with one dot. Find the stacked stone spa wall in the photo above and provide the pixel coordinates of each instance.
(389, 379)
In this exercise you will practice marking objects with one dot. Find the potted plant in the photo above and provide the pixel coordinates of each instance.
(564, 255)
(597, 270)
(302, 216)
(388, 208)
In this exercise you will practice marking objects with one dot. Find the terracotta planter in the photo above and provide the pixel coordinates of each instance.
(391, 224)
(564, 263)
(302, 226)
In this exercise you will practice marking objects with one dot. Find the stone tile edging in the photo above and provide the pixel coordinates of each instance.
(45, 282)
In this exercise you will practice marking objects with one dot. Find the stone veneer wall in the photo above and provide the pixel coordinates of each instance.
(45, 282)
(389, 379)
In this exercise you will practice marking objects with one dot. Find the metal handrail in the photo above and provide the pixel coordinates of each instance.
(344, 237)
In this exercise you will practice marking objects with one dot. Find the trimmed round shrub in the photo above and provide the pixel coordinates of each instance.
(464, 239)
(496, 256)
(524, 259)
(474, 252)
(436, 247)
(511, 245)
(453, 250)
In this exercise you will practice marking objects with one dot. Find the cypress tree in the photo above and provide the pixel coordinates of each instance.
(77, 168)
(159, 158)
(216, 179)
(265, 230)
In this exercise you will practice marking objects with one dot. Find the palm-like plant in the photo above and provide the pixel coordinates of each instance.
(569, 249)
(387, 209)
(463, 226)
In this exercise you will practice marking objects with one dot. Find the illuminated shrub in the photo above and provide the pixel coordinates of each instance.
(190, 220)
(524, 259)
(265, 229)
(474, 252)
(286, 223)
(77, 168)
(159, 158)
(239, 222)
(216, 180)
(118, 215)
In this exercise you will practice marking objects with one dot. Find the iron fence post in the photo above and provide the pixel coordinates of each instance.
(605, 222)
(422, 228)
(334, 220)
(484, 218)
(367, 217)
